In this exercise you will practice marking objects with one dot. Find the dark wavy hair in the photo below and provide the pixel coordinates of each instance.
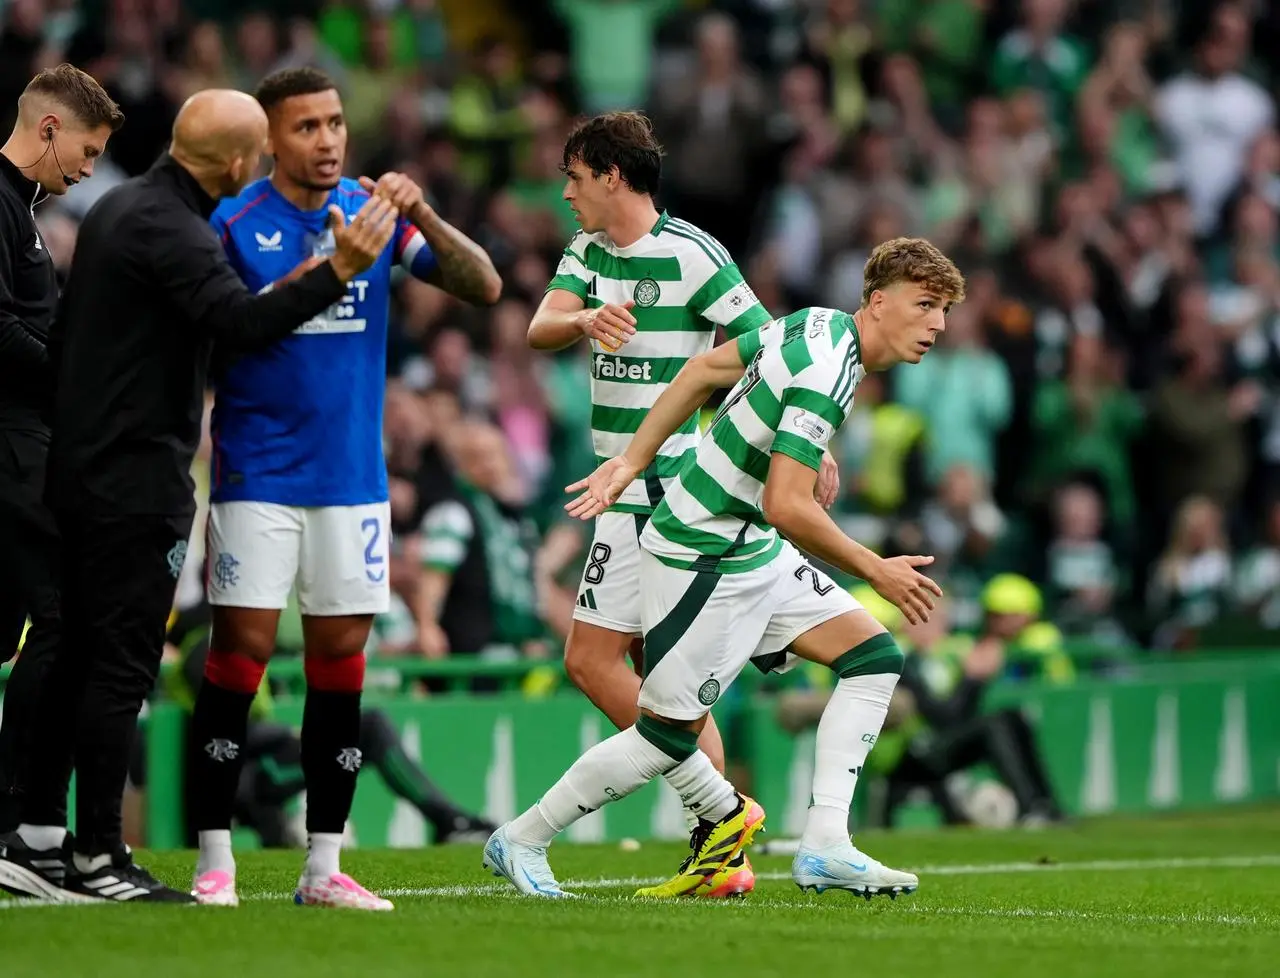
(621, 139)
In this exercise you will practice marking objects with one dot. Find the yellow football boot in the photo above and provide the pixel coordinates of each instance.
(715, 845)
(734, 879)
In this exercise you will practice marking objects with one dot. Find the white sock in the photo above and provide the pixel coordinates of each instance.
(215, 852)
(610, 770)
(42, 836)
(846, 733)
(323, 850)
(704, 791)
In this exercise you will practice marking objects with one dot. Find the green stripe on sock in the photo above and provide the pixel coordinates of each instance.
(877, 655)
(676, 742)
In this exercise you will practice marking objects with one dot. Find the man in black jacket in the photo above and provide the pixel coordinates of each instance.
(64, 121)
(149, 292)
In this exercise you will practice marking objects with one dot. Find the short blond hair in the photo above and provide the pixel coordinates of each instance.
(74, 90)
(912, 260)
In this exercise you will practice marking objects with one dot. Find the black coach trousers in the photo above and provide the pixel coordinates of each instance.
(28, 588)
(118, 579)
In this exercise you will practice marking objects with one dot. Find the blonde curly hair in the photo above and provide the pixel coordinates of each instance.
(912, 260)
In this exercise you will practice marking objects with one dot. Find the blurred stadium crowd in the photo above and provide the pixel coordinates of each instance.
(1103, 416)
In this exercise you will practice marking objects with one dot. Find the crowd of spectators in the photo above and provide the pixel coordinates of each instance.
(1103, 414)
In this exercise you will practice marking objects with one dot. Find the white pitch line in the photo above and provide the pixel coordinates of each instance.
(1104, 865)
(980, 869)
(503, 891)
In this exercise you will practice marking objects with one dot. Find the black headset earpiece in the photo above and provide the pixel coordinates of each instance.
(48, 131)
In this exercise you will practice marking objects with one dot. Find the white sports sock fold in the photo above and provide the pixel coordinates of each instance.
(324, 850)
(215, 852)
(846, 733)
(704, 791)
(610, 770)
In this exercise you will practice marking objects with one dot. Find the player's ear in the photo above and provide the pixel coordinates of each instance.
(613, 178)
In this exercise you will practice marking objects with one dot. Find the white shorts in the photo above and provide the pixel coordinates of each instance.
(609, 593)
(337, 556)
(700, 629)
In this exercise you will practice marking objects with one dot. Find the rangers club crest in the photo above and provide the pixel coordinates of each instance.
(350, 759)
(177, 556)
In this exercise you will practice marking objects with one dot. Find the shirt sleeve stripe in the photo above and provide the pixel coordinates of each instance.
(815, 403)
(793, 446)
(748, 346)
(569, 283)
(752, 319)
(714, 288)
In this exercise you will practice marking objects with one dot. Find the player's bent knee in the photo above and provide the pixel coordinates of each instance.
(578, 666)
(234, 671)
(335, 674)
(673, 737)
(591, 653)
(878, 655)
(711, 744)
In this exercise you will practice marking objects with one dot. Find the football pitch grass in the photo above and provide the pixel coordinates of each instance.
(1166, 896)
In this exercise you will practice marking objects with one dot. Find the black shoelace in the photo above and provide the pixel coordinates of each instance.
(700, 834)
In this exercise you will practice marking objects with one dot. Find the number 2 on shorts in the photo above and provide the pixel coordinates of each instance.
(818, 586)
(374, 568)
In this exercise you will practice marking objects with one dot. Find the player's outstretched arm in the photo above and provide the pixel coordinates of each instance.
(463, 268)
(790, 508)
(697, 379)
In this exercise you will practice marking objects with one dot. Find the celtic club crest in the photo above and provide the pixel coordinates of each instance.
(646, 293)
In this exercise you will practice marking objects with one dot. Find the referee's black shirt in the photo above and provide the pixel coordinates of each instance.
(148, 294)
(28, 300)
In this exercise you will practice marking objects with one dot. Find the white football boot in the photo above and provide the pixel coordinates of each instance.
(845, 867)
(524, 867)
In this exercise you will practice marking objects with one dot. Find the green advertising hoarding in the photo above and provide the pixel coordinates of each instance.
(1171, 737)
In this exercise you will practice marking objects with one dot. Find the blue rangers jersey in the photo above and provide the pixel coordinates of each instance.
(300, 424)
